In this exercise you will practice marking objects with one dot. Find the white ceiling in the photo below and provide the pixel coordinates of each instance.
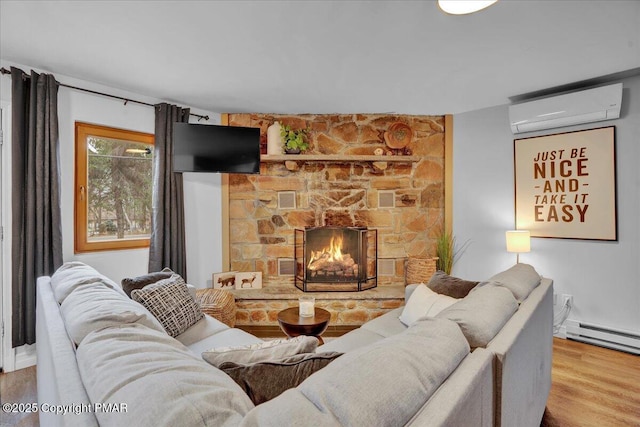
(324, 56)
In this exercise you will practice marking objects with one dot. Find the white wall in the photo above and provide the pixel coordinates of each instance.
(603, 277)
(202, 191)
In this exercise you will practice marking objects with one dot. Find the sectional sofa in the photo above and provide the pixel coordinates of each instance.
(104, 360)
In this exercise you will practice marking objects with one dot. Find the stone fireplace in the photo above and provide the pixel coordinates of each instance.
(335, 258)
(341, 181)
(404, 202)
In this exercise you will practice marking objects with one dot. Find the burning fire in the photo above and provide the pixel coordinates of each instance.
(331, 260)
(329, 255)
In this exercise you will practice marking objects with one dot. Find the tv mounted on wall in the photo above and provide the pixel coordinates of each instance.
(211, 148)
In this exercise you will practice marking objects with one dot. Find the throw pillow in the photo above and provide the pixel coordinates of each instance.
(130, 284)
(265, 380)
(454, 287)
(171, 303)
(424, 302)
(261, 352)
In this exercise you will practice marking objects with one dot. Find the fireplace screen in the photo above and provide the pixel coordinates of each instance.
(336, 258)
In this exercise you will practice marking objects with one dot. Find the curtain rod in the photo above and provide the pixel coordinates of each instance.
(126, 100)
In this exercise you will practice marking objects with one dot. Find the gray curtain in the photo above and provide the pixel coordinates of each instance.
(36, 231)
(167, 247)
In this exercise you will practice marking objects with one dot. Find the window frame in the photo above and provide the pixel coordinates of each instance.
(82, 131)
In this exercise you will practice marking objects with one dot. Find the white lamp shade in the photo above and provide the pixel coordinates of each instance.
(462, 7)
(518, 241)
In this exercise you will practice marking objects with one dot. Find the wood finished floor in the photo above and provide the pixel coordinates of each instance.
(591, 387)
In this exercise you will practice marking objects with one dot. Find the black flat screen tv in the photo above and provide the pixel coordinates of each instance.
(211, 148)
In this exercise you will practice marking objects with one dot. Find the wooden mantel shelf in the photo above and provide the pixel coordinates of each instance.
(335, 158)
(378, 162)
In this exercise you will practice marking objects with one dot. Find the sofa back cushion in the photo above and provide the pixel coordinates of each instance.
(520, 279)
(159, 380)
(482, 313)
(382, 384)
(74, 274)
(96, 306)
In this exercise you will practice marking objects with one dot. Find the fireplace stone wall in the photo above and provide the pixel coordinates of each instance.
(341, 192)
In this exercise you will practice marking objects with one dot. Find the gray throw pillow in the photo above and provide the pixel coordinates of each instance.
(454, 287)
(171, 303)
(266, 380)
(130, 284)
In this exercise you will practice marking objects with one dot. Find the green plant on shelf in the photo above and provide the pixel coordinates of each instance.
(294, 141)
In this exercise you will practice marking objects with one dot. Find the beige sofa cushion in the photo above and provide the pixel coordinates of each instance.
(74, 274)
(520, 279)
(98, 306)
(353, 340)
(382, 384)
(482, 313)
(202, 329)
(159, 380)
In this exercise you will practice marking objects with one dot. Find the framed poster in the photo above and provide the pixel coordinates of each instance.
(565, 184)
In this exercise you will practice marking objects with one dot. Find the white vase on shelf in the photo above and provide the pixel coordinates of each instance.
(274, 140)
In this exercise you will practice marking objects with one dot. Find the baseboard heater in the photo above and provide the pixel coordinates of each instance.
(603, 336)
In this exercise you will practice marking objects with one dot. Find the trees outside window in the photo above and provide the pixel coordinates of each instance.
(113, 188)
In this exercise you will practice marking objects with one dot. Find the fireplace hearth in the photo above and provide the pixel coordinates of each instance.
(336, 258)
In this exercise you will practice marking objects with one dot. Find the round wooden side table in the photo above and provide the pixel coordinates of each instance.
(292, 324)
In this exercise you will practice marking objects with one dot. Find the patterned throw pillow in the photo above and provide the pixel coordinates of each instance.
(171, 303)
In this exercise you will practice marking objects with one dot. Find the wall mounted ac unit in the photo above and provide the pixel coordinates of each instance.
(591, 105)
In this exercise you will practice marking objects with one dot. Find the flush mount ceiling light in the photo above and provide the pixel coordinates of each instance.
(462, 7)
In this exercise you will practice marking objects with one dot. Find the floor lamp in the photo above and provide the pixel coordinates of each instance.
(518, 241)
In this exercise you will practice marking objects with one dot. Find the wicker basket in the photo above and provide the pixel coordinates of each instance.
(419, 270)
(219, 304)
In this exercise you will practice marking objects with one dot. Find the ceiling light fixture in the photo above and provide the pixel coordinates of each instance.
(463, 7)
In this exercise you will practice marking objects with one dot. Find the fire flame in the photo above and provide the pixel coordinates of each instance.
(332, 253)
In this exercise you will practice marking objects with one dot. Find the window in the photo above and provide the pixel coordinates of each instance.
(113, 188)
